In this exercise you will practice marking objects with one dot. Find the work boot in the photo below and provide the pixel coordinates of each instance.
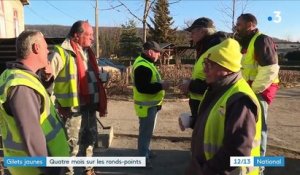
(149, 164)
(152, 155)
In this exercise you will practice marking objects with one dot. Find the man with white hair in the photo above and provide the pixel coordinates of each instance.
(78, 90)
(203, 36)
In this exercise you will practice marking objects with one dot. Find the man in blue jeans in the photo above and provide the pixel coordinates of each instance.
(259, 66)
(148, 94)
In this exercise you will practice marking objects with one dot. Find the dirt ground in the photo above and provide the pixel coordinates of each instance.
(172, 146)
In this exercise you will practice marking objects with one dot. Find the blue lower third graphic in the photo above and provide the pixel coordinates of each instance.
(24, 161)
(269, 161)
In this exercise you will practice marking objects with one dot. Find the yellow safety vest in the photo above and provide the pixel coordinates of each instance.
(249, 64)
(142, 102)
(215, 124)
(198, 73)
(52, 127)
(65, 87)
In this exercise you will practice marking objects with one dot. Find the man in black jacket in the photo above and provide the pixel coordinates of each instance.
(148, 94)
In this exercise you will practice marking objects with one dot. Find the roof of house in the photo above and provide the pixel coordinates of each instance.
(109, 63)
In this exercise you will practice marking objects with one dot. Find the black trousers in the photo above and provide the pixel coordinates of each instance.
(194, 106)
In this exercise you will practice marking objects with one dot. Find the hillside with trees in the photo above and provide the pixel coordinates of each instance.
(111, 39)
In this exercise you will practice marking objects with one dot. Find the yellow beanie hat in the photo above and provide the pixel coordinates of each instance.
(227, 54)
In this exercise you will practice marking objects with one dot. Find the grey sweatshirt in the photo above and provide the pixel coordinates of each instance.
(25, 105)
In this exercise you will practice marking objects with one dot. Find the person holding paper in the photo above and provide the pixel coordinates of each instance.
(229, 121)
(204, 36)
(30, 125)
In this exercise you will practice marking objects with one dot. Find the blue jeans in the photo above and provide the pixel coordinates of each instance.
(147, 125)
(264, 130)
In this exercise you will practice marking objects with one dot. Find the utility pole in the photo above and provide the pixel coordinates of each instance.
(233, 15)
(146, 10)
(97, 33)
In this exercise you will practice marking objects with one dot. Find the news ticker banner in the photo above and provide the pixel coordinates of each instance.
(267, 161)
(74, 161)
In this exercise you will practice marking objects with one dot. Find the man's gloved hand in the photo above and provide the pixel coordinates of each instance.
(65, 112)
(165, 84)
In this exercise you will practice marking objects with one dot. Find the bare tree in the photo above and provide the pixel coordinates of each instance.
(147, 7)
(188, 23)
(229, 12)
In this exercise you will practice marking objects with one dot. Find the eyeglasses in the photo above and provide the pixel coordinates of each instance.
(208, 64)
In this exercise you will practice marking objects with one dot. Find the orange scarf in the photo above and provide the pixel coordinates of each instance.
(83, 81)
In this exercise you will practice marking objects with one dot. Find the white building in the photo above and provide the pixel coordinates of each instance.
(12, 17)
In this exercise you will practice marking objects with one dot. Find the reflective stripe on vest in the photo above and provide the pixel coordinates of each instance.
(215, 124)
(198, 73)
(142, 102)
(65, 89)
(249, 64)
(9, 143)
(146, 103)
(50, 123)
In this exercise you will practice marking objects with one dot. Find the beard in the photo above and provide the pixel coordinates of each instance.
(239, 35)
